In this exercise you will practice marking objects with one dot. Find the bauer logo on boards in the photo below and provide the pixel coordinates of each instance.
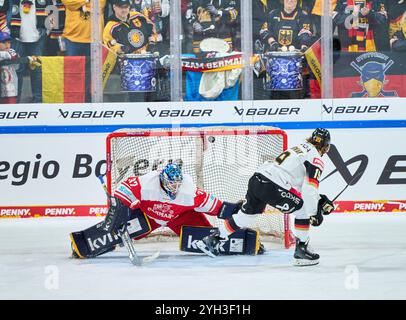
(18, 115)
(91, 114)
(273, 111)
(356, 109)
(179, 113)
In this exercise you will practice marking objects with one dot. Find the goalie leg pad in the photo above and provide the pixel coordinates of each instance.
(243, 241)
(95, 241)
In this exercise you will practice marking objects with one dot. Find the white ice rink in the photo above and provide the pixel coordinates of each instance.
(363, 256)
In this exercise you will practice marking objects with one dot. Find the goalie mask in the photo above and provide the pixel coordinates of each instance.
(171, 178)
(321, 140)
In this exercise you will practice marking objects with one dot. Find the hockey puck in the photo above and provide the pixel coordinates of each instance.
(211, 139)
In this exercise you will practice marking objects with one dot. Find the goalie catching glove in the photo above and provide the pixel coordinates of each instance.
(324, 207)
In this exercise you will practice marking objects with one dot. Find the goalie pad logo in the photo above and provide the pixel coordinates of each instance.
(101, 242)
(134, 226)
(237, 245)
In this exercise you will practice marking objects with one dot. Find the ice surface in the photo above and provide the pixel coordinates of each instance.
(363, 256)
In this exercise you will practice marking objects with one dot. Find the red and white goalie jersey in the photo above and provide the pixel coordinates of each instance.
(145, 193)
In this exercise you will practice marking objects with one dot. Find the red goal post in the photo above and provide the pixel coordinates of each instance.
(220, 160)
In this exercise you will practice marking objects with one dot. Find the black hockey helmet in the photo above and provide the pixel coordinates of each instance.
(321, 140)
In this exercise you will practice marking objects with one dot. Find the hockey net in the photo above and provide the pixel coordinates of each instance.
(220, 160)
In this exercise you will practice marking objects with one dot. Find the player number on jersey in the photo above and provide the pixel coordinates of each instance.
(282, 157)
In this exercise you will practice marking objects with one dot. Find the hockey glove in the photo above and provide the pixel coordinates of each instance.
(227, 209)
(316, 220)
(326, 206)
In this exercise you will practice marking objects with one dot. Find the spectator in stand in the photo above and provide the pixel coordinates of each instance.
(315, 10)
(29, 32)
(122, 24)
(55, 44)
(288, 26)
(130, 32)
(212, 19)
(77, 31)
(395, 15)
(158, 12)
(187, 29)
(362, 25)
(260, 13)
(398, 40)
(137, 5)
(8, 74)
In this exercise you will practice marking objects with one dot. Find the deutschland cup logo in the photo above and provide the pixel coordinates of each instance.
(372, 67)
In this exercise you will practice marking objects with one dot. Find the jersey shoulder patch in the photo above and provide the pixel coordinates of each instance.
(318, 163)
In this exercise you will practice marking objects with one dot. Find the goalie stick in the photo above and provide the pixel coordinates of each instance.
(127, 241)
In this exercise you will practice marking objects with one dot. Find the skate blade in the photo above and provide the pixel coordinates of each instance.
(201, 245)
(304, 262)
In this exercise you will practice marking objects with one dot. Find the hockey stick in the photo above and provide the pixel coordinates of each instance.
(127, 241)
(348, 184)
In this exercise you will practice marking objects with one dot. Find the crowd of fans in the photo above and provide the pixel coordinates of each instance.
(35, 28)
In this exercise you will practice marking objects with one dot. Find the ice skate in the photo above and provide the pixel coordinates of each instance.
(303, 256)
(210, 244)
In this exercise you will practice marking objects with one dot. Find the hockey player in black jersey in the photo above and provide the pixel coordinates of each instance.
(290, 184)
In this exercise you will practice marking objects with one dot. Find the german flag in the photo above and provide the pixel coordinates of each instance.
(63, 79)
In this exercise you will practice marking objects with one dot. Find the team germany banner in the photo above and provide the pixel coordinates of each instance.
(217, 64)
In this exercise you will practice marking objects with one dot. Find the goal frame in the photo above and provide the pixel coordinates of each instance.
(288, 238)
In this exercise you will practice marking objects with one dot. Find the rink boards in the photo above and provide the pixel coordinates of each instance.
(52, 154)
